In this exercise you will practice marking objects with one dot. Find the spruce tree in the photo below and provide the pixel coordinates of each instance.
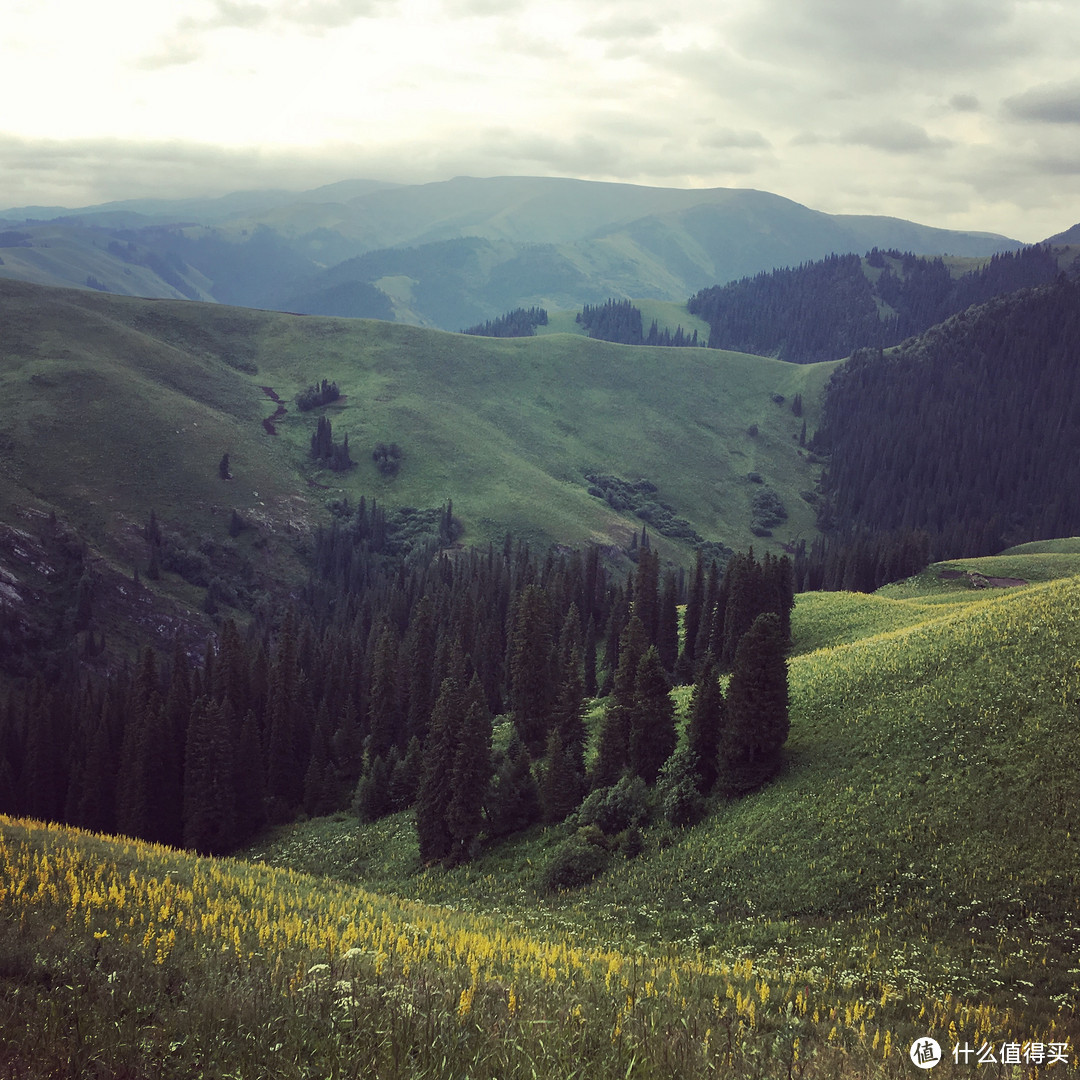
(471, 776)
(757, 707)
(652, 724)
(209, 798)
(707, 709)
(614, 745)
(436, 781)
(530, 667)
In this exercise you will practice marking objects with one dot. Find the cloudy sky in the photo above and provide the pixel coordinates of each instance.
(957, 113)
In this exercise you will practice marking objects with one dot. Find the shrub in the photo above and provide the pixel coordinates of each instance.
(624, 805)
(575, 862)
(680, 801)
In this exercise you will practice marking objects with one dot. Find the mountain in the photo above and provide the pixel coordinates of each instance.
(827, 309)
(115, 407)
(447, 254)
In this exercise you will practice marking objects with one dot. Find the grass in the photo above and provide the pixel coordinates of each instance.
(919, 851)
(113, 405)
(914, 870)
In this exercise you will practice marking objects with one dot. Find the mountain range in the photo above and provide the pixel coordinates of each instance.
(447, 254)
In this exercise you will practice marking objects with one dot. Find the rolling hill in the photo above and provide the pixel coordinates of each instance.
(113, 407)
(446, 254)
(913, 872)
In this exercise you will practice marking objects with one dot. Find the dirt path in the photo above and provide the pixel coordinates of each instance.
(277, 414)
(981, 581)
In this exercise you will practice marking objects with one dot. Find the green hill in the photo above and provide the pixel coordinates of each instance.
(920, 844)
(913, 872)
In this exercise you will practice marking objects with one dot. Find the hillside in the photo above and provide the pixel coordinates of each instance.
(827, 309)
(448, 254)
(961, 432)
(912, 872)
(114, 407)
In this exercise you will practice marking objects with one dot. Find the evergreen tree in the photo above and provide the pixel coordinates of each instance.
(613, 752)
(530, 667)
(471, 776)
(692, 621)
(249, 780)
(652, 725)
(706, 721)
(757, 707)
(513, 798)
(667, 631)
(372, 799)
(563, 786)
(406, 775)
(436, 782)
(209, 800)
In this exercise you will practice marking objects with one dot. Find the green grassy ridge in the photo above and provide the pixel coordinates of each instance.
(925, 832)
(1068, 545)
(823, 619)
(101, 395)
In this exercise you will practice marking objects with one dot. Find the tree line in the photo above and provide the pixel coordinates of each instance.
(621, 321)
(827, 309)
(378, 687)
(952, 444)
(521, 322)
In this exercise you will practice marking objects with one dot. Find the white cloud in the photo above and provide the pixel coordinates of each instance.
(947, 112)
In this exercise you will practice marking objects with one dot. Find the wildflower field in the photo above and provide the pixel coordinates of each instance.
(913, 872)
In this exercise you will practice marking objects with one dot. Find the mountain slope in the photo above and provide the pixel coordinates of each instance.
(914, 871)
(532, 241)
(113, 407)
(827, 309)
(964, 431)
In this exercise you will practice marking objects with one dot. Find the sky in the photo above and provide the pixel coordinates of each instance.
(962, 114)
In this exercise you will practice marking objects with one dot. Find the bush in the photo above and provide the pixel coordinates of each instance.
(316, 395)
(767, 510)
(575, 862)
(677, 788)
(630, 843)
(624, 805)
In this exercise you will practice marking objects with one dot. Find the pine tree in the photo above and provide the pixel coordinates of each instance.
(406, 775)
(757, 707)
(372, 799)
(471, 776)
(436, 781)
(209, 799)
(652, 725)
(707, 710)
(513, 799)
(687, 664)
(563, 784)
(530, 667)
(667, 630)
(613, 752)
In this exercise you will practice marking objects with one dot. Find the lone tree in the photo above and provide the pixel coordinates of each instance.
(223, 468)
(757, 707)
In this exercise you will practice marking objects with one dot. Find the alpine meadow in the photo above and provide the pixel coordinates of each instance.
(557, 630)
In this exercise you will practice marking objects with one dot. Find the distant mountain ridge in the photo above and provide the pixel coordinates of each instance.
(447, 254)
(827, 309)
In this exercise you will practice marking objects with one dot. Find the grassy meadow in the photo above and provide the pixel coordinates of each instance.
(912, 872)
(112, 405)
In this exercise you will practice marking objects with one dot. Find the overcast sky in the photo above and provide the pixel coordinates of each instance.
(956, 113)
